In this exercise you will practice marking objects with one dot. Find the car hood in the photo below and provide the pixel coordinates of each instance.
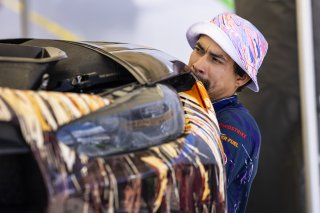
(146, 65)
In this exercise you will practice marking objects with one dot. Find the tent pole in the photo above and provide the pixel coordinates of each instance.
(24, 11)
(308, 104)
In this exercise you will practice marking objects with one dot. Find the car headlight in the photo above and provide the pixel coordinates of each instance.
(139, 119)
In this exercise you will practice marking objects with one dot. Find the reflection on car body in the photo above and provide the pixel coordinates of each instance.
(111, 128)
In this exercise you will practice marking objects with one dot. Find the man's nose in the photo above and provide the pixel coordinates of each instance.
(200, 64)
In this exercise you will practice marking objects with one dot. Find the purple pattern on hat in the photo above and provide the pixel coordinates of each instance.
(250, 44)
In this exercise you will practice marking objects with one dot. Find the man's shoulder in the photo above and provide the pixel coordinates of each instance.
(237, 124)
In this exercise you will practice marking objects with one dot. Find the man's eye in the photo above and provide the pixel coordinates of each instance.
(198, 49)
(216, 60)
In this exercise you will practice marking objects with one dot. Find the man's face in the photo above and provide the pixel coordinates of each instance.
(214, 68)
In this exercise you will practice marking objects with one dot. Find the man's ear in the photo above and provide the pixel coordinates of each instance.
(242, 80)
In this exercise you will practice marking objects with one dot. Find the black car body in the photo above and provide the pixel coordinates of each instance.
(105, 127)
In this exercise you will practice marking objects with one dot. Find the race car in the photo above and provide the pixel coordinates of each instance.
(105, 127)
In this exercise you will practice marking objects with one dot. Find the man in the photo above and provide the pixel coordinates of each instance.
(227, 53)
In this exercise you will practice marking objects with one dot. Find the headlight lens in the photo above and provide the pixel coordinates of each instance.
(144, 117)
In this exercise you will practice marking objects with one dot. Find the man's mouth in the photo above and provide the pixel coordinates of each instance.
(206, 82)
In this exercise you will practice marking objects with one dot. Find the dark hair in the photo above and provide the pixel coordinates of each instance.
(239, 71)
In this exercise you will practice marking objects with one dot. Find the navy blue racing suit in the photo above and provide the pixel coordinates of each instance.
(241, 142)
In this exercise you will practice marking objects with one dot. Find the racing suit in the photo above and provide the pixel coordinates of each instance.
(241, 141)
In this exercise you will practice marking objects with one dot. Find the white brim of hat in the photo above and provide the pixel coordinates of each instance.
(222, 39)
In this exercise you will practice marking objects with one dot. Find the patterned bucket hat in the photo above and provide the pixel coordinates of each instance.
(242, 41)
